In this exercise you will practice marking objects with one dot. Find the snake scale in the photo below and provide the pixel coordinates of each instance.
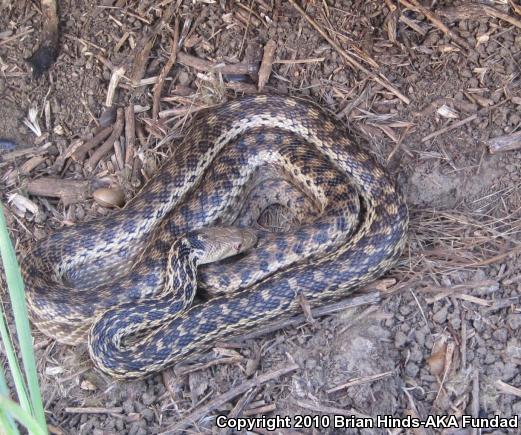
(125, 283)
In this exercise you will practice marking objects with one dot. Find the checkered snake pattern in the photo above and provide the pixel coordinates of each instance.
(125, 283)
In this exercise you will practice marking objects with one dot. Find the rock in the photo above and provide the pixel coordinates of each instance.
(514, 321)
(400, 339)
(441, 315)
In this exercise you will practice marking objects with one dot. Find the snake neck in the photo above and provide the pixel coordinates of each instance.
(181, 276)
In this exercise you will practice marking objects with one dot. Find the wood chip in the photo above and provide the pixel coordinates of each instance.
(508, 142)
(266, 64)
(69, 191)
(505, 388)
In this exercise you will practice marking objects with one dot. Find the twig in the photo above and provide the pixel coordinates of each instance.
(239, 407)
(130, 135)
(297, 61)
(182, 110)
(261, 410)
(16, 36)
(69, 191)
(450, 127)
(109, 143)
(475, 398)
(350, 60)
(113, 84)
(413, 412)
(206, 65)
(413, 25)
(390, 5)
(361, 380)
(266, 64)
(475, 10)
(158, 87)
(94, 410)
(81, 151)
(433, 18)
(463, 340)
(495, 258)
(226, 397)
(507, 389)
(446, 368)
(369, 298)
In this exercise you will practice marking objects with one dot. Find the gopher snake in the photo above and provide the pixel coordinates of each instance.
(116, 278)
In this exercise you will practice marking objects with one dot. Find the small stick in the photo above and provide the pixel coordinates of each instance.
(412, 24)
(433, 18)
(226, 397)
(266, 64)
(390, 5)
(239, 407)
(94, 410)
(69, 191)
(450, 127)
(361, 380)
(109, 143)
(248, 88)
(515, 7)
(350, 60)
(20, 34)
(178, 111)
(130, 135)
(495, 258)
(475, 398)
(476, 10)
(113, 84)
(463, 340)
(369, 298)
(158, 87)
(206, 65)
(79, 153)
(261, 410)
(297, 61)
(413, 412)
(503, 387)
(447, 367)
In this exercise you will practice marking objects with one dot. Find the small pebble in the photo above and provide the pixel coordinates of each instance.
(109, 197)
(441, 315)
(514, 321)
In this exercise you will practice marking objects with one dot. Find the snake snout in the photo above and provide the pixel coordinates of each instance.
(248, 240)
(219, 243)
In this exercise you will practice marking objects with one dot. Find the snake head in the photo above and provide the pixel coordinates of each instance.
(217, 243)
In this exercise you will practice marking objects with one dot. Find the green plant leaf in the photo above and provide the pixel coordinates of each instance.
(16, 294)
(24, 418)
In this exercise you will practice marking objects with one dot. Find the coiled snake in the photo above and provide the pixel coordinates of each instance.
(126, 282)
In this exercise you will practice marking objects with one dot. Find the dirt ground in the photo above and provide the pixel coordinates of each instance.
(445, 338)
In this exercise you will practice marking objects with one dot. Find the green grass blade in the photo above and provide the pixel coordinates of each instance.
(17, 296)
(6, 420)
(9, 407)
(14, 367)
